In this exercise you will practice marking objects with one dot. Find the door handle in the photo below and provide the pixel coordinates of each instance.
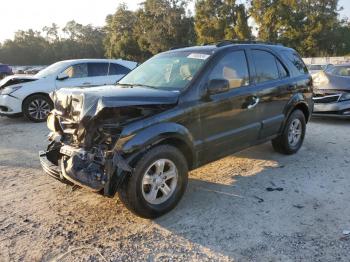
(255, 101)
(86, 83)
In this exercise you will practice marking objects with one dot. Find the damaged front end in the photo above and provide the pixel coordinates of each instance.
(86, 134)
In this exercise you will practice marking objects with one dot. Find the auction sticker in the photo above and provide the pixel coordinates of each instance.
(198, 56)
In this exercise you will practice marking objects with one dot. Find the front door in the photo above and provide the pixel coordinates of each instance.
(229, 121)
(77, 77)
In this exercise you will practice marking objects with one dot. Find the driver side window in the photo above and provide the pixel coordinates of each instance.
(234, 68)
(77, 71)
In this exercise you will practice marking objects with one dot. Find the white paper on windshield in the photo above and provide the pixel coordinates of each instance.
(198, 56)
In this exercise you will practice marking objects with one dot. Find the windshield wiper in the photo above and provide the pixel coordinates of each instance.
(132, 85)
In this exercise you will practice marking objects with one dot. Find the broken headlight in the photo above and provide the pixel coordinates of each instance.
(53, 123)
(345, 97)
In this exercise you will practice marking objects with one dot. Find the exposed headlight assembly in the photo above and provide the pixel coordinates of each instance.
(345, 97)
(9, 90)
(53, 124)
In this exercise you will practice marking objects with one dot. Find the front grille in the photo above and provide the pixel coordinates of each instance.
(325, 99)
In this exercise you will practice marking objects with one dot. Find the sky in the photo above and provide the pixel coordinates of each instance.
(35, 14)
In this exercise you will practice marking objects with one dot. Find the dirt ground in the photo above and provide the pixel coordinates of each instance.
(226, 214)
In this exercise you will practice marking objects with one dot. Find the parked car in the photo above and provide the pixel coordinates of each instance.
(5, 70)
(30, 95)
(315, 68)
(332, 91)
(177, 111)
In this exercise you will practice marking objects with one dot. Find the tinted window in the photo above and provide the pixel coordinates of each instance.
(299, 67)
(233, 67)
(282, 69)
(77, 71)
(115, 69)
(98, 69)
(265, 66)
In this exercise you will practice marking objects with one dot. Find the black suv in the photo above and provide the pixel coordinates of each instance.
(177, 111)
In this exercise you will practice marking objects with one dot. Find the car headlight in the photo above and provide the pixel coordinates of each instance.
(9, 90)
(53, 124)
(344, 97)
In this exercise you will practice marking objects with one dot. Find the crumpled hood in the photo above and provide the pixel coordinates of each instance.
(325, 81)
(16, 79)
(78, 103)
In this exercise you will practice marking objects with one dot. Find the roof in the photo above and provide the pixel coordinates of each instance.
(210, 48)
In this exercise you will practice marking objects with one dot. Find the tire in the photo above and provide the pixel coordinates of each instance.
(284, 143)
(136, 191)
(36, 108)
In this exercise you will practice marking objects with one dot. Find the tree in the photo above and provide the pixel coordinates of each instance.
(306, 25)
(120, 40)
(217, 20)
(163, 24)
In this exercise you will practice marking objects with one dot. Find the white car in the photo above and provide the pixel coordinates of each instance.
(30, 95)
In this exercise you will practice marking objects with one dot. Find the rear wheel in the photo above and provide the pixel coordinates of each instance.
(291, 140)
(37, 107)
(157, 184)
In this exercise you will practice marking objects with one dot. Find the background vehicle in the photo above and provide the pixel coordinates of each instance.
(5, 70)
(332, 91)
(179, 110)
(30, 95)
(315, 68)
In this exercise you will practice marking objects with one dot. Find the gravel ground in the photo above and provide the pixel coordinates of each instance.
(226, 214)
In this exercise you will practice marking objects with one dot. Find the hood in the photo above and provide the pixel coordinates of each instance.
(326, 81)
(80, 103)
(15, 79)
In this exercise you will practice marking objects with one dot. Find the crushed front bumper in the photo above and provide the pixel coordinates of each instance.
(74, 170)
(338, 109)
(51, 169)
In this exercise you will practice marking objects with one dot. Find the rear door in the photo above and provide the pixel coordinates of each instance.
(273, 84)
(116, 72)
(98, 74)
(230, 120)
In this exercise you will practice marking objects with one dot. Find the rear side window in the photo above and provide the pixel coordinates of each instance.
(298, 66)
(265, 66)
(98, 69)
(116, 69)
(234, 68)
(282, 69)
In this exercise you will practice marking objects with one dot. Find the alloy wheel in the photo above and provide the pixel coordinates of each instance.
(159, 181)
(39, 109)
(294, 132)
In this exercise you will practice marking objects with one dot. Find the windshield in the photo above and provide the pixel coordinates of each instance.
(339, 71)
(52, 69)
(171, 71)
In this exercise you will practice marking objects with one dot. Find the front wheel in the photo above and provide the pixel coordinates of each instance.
(291, 140)
(157, 184)
(37, 107)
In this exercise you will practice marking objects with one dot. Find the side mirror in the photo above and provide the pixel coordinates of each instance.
(217, 86)
(62, 76)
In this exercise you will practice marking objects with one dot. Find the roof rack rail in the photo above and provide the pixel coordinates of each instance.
(230, 42)
(177, 47)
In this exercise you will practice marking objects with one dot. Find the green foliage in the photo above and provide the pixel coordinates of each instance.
(310, 26)
(217, 20)
(155, 27)
(307, 25)
(32, 47)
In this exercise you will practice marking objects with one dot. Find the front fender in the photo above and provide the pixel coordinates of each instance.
(155, 134)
